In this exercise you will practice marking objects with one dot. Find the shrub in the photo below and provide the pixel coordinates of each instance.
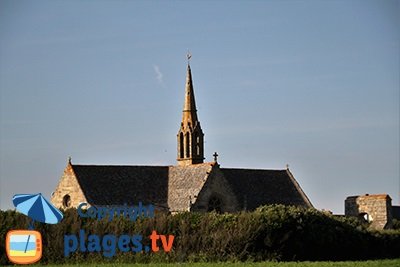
(274, 232)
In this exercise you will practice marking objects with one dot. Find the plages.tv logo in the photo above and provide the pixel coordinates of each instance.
(110, 244)
(25, 246)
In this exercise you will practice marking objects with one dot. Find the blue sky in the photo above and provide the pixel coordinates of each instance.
(312, 84)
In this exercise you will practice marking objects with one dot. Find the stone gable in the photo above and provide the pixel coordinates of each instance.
(68, 187)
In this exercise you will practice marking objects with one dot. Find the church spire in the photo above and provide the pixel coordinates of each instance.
(189, 108)
(190, 135)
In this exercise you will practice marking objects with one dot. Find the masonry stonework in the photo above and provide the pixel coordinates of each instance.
(68, 192)
(217, 189)
(376, 209)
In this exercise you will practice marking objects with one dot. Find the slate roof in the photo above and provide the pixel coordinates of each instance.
(117, 185)
(162, 186)
(171, 187)
(260, 187)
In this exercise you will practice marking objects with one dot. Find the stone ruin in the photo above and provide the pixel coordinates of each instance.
(375, 209)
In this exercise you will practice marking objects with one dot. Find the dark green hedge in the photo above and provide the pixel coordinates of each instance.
(270, 233)
(396, 224)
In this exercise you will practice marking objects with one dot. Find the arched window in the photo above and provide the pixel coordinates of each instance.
(197, 138)
(187, 145)
(215, 204)
(66, 201)
(181, 146)
(198, 149)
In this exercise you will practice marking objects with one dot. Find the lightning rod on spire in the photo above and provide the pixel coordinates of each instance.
(188, 56)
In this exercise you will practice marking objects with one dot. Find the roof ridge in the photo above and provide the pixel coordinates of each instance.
(101, 165)
(195, 165)
(248, 169)
(299, 189)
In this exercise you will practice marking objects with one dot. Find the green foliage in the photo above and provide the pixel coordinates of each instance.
(396, 224)
(376, 263)
(275, 232)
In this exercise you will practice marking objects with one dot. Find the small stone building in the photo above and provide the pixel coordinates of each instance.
(375, 209)
(191, 185)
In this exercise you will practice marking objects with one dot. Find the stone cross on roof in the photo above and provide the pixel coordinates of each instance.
(215, 156)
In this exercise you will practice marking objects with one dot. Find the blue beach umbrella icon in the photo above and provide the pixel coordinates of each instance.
(36, 207)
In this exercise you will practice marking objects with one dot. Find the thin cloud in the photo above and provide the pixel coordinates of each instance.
(159, 75)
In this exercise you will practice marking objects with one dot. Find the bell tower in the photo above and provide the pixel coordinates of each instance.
(190, 135)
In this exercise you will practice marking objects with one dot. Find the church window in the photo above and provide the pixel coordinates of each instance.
(197, 144)
(66, 201)
(187, 145)
(215, 204)
(181, 146)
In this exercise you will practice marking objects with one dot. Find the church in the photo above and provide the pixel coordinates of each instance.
(190, 185)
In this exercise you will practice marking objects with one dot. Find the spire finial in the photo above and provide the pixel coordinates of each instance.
(188, 56)
(69, 160)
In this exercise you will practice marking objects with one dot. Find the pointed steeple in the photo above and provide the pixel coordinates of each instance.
(190, 136)
(189, 108)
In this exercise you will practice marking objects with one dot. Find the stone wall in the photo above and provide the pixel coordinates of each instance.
(218, 188)
(376, 209)
(68, 187)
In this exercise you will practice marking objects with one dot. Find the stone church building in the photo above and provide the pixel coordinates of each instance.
(190, 185)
